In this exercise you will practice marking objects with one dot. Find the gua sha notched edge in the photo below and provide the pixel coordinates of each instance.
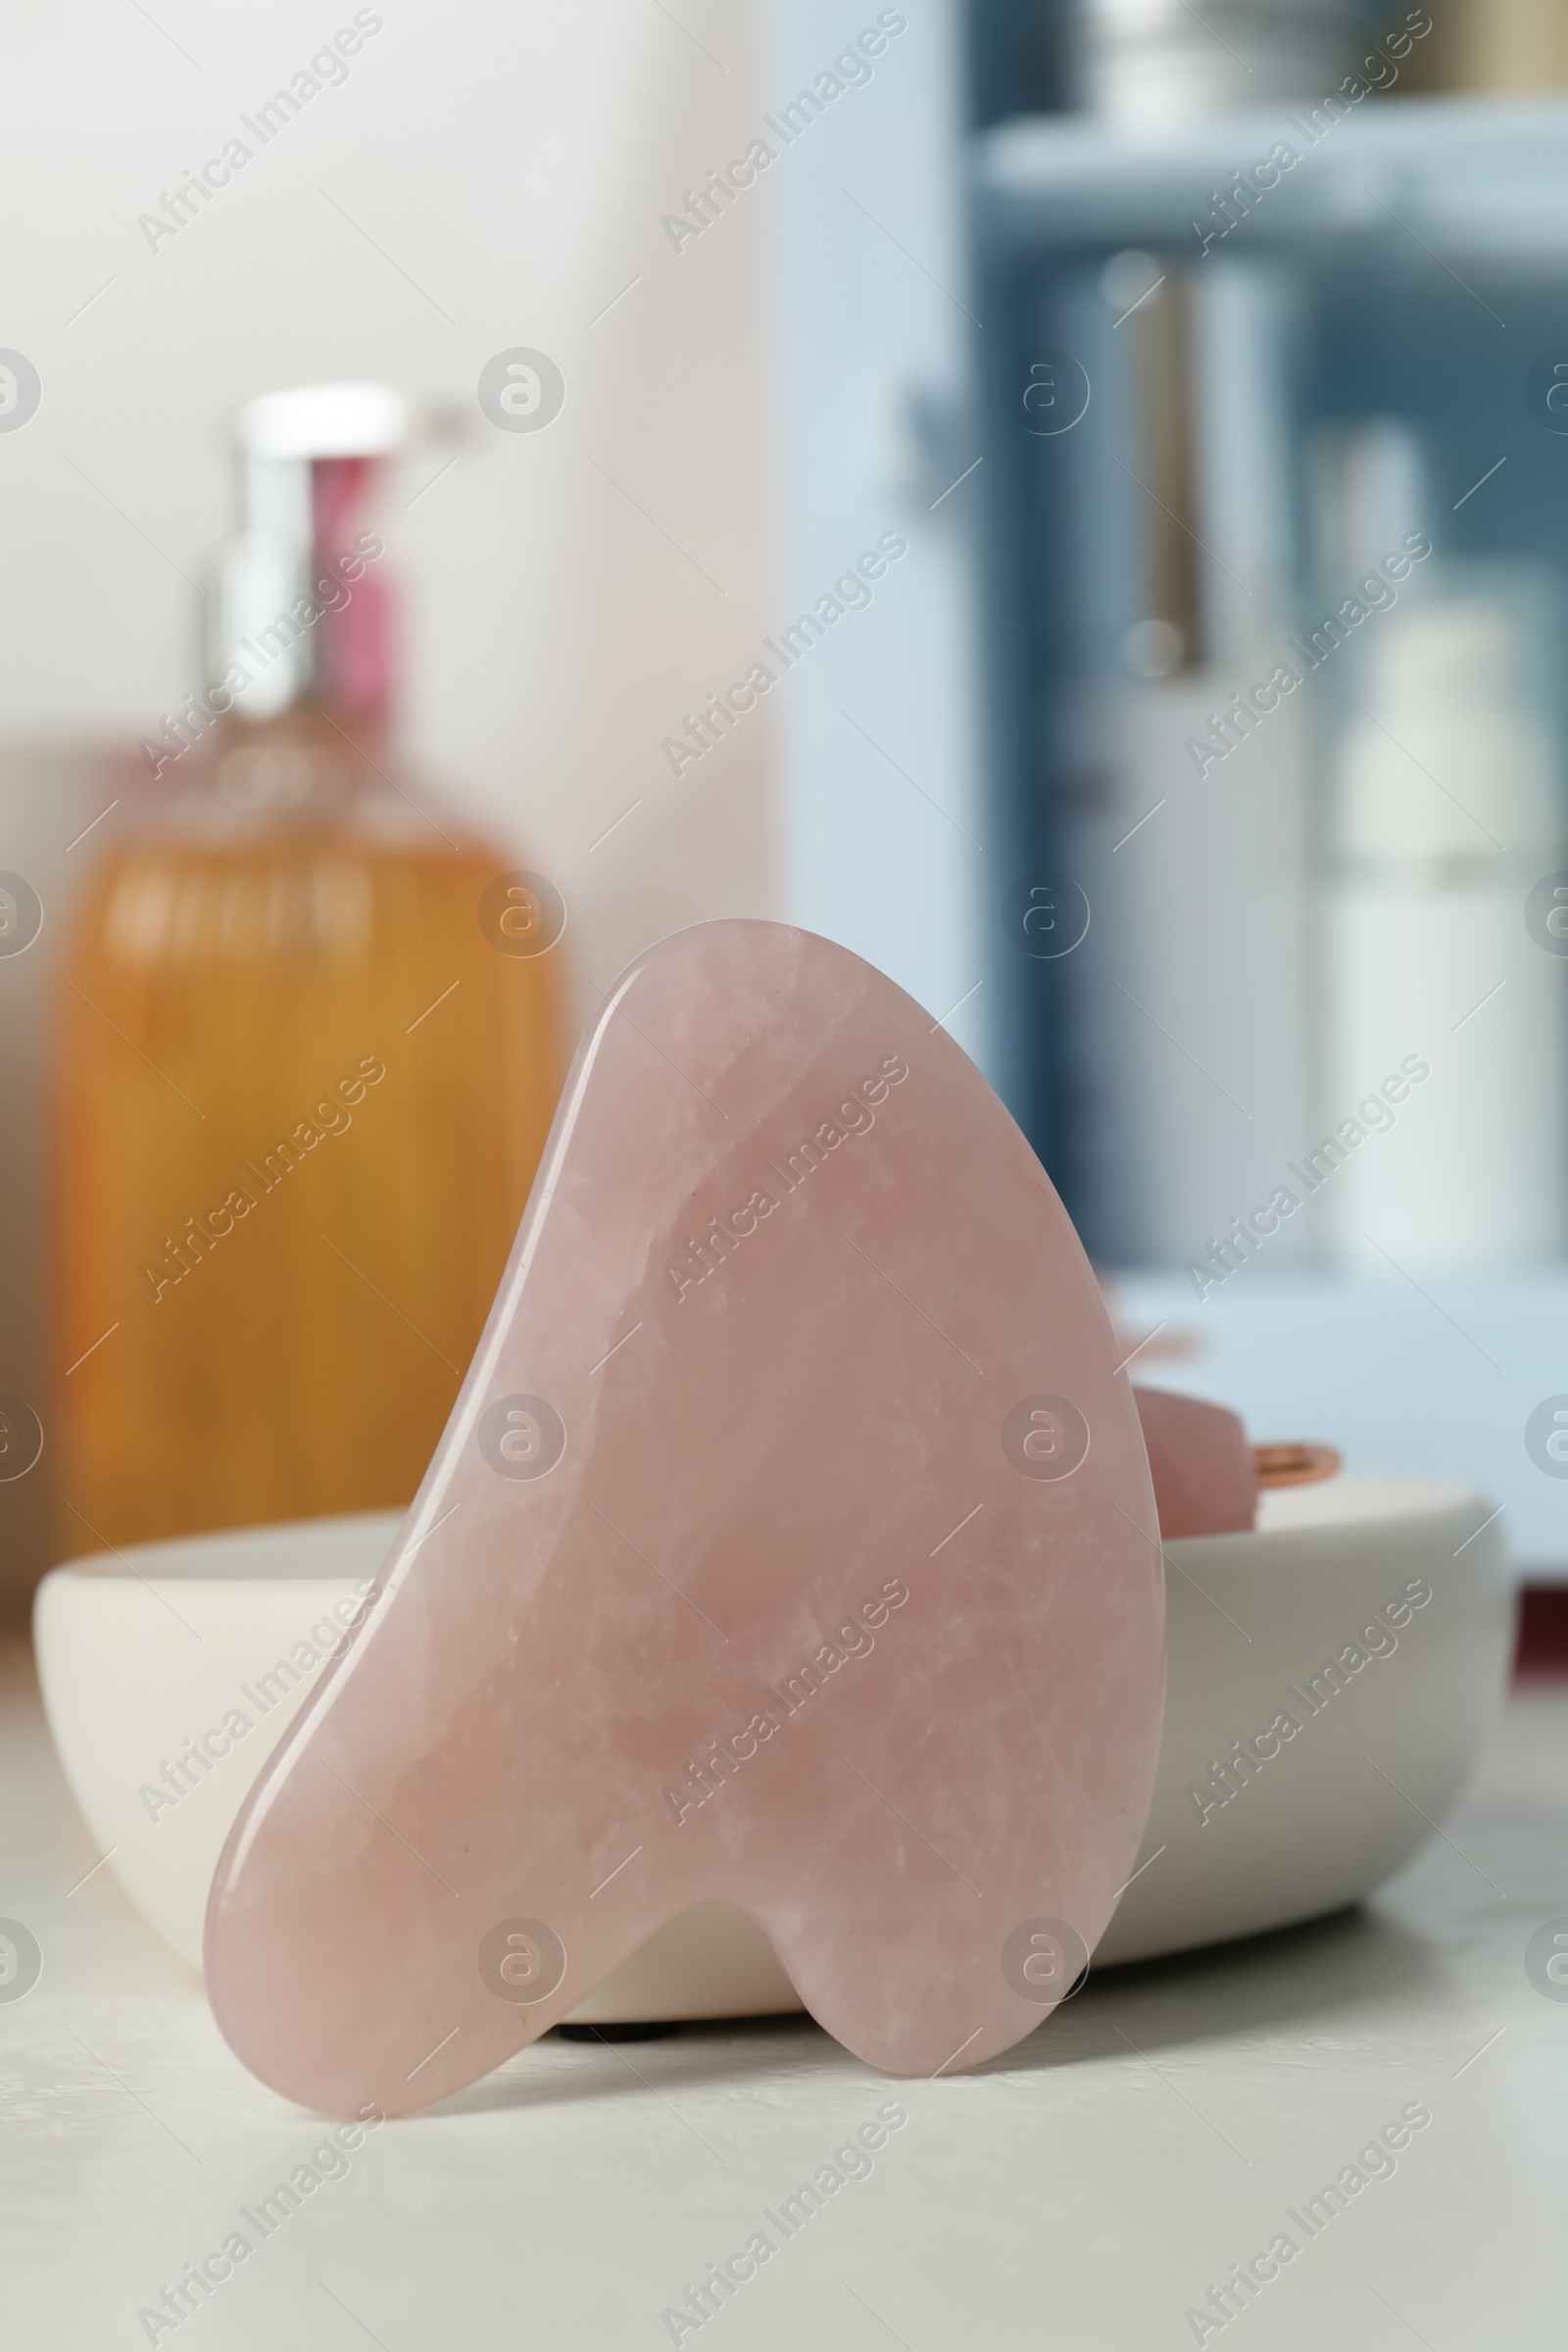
(792, 1543)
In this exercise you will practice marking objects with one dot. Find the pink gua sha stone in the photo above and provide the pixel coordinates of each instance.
(791, 1543)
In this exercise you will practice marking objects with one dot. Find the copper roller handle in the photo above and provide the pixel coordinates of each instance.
(1296, 1464)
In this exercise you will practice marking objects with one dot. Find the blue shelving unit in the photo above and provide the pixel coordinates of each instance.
(1422, 246)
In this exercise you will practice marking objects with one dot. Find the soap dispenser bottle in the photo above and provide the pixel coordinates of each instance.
(308, 1047)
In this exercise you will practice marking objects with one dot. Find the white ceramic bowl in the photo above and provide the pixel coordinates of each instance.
(196, 1656)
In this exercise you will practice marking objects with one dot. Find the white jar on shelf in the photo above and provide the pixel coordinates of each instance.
(1446, 1026)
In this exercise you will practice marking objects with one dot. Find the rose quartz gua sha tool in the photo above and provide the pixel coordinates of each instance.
(791, 1544)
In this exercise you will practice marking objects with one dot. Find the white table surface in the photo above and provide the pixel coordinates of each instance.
(1081, 2192)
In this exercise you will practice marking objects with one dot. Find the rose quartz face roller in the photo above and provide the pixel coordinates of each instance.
(1207, 1477)
(792, 1543)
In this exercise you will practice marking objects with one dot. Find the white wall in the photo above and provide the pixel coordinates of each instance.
(881, 818)
(511, 166)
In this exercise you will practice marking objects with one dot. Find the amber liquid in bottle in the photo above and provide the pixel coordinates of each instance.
(303, 1084)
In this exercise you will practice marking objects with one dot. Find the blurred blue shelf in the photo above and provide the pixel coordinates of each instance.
(1484, 179)
(1436, 1380)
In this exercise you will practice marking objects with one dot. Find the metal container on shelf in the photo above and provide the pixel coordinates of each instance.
(1158, 62)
